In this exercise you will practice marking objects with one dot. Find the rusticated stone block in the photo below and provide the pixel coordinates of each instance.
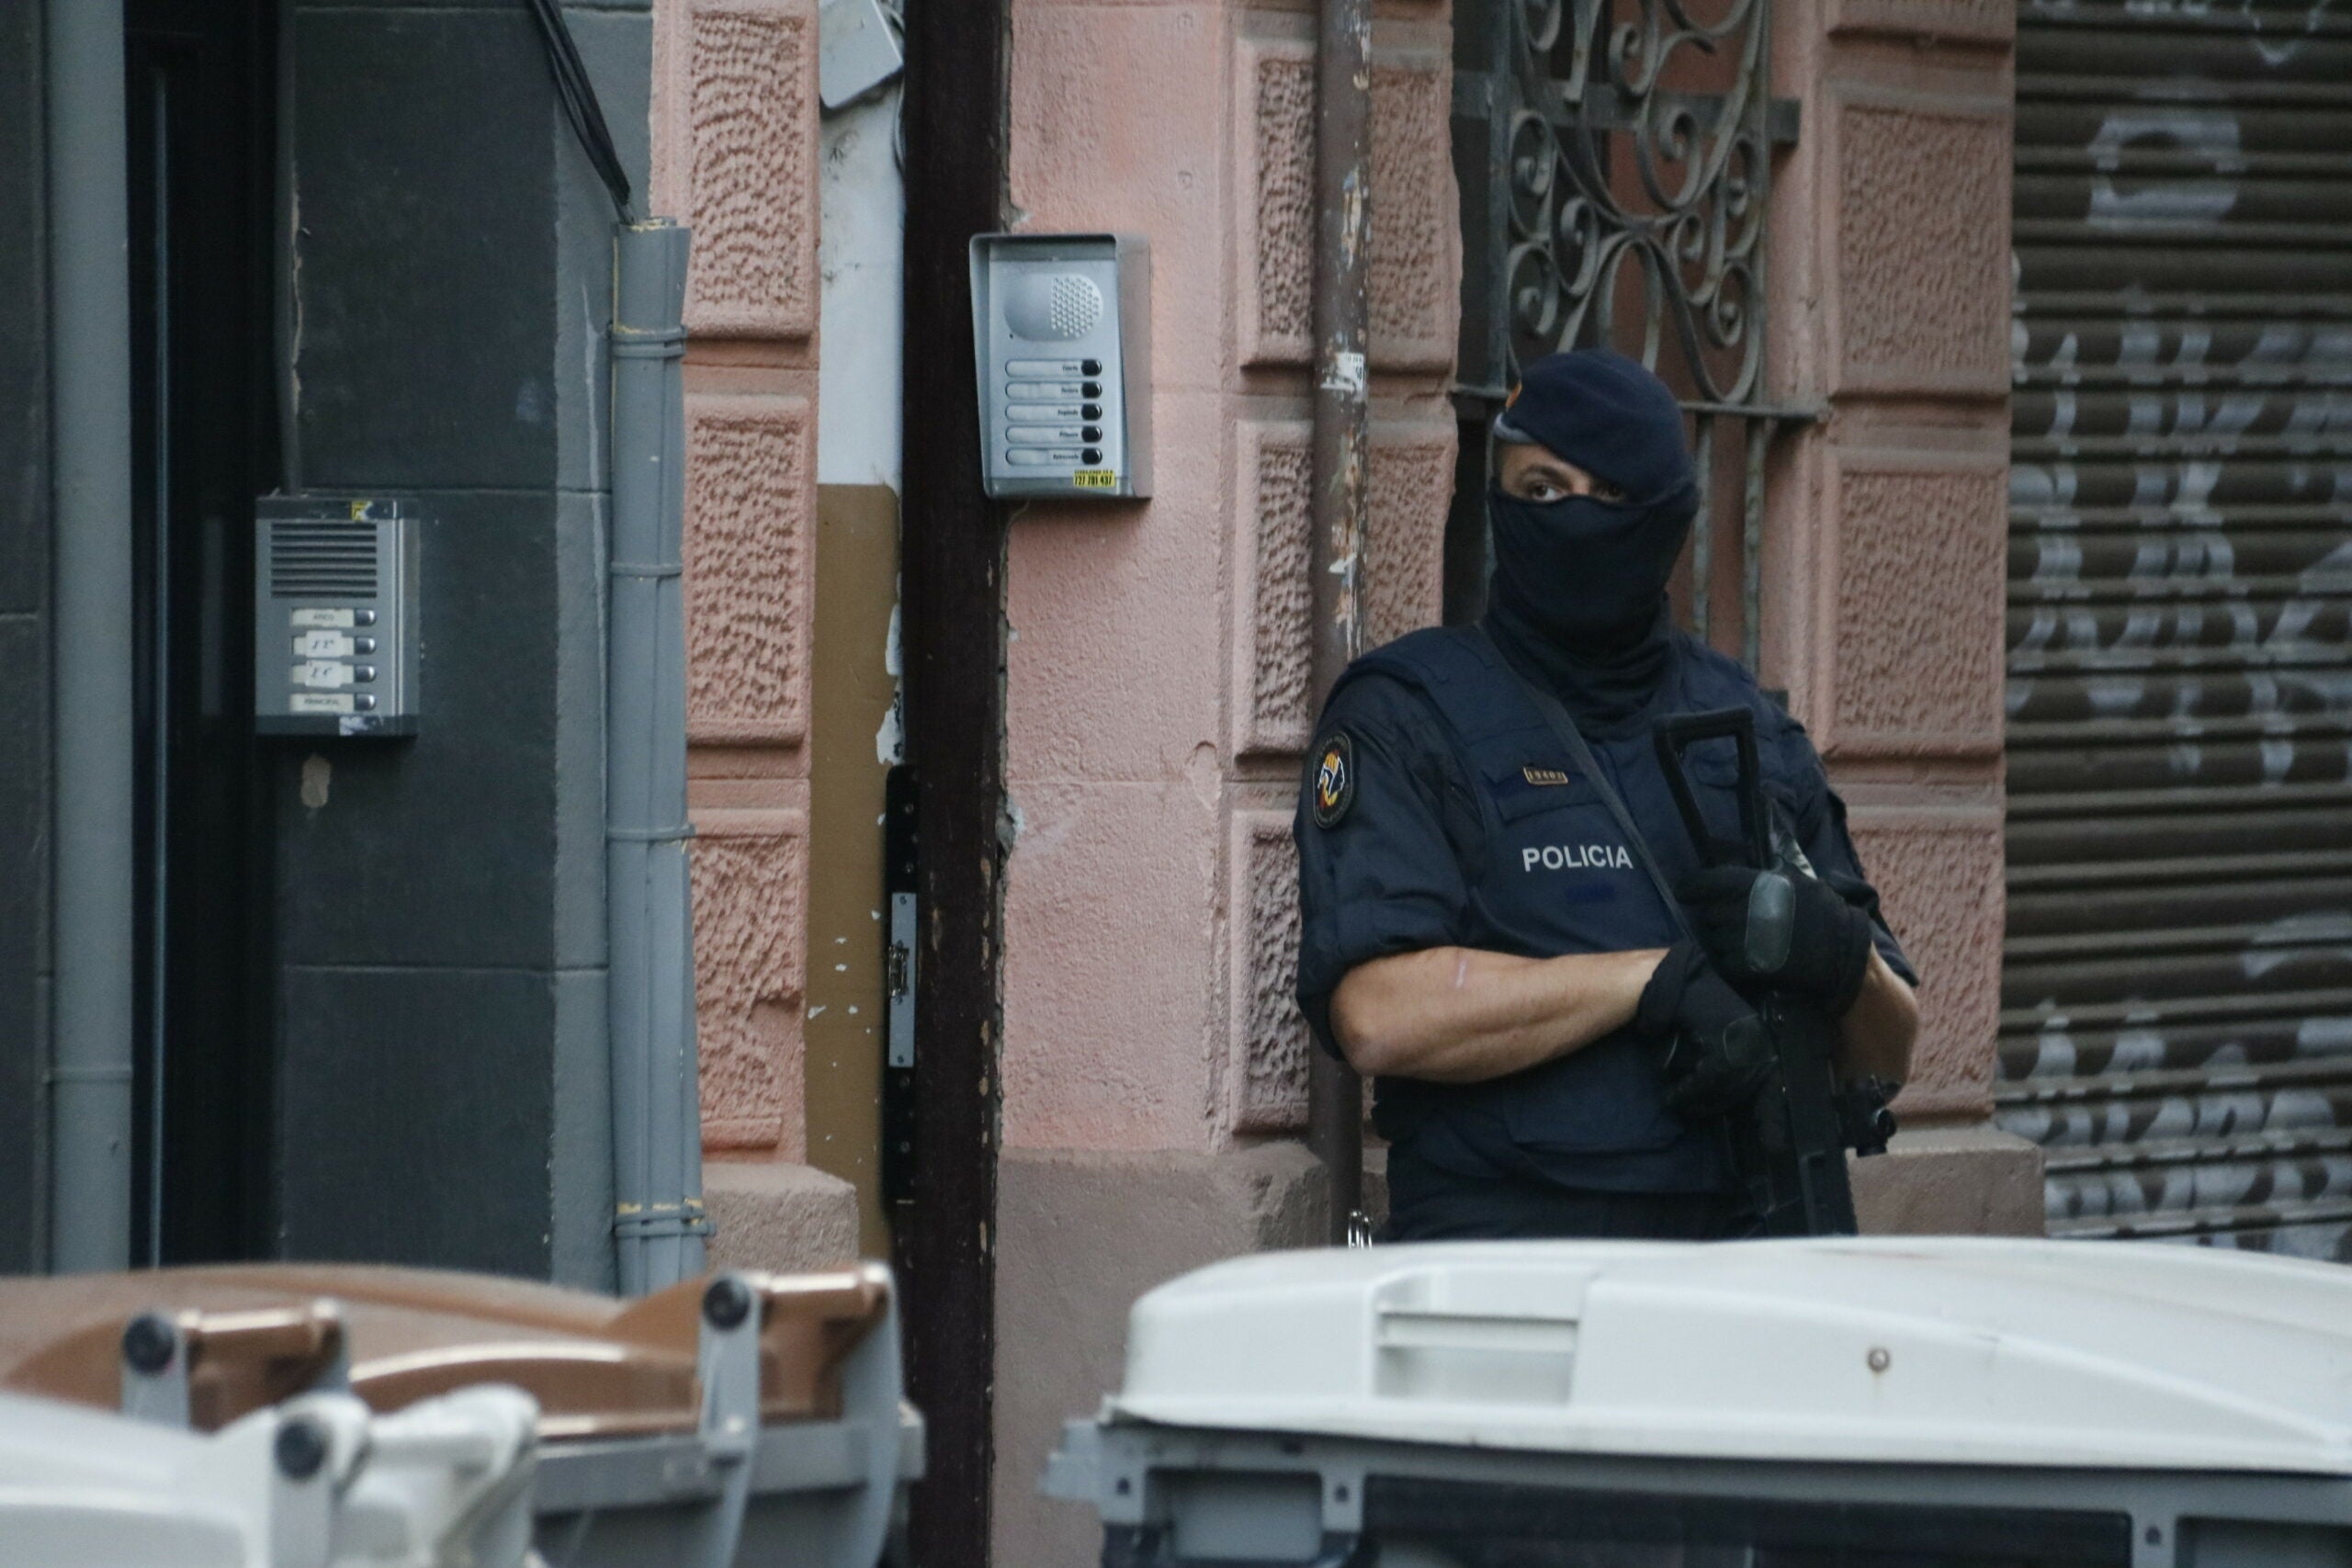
(1272, 650)
(1919, 571)
(1415, 279)
(1939, 873)
(1976, 22)
(779, 1217)
(751, 924)
(751, 493)
(735, 148)
(1922, 193)
(1410, 480)
(1267, 1073)
(1278, 194)
(1416, 255)
(1409, 483)
(1952, 1180)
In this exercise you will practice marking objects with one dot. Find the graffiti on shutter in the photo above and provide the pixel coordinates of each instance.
(2177, 1029)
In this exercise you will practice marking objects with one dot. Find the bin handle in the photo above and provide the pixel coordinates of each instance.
(207, 1369)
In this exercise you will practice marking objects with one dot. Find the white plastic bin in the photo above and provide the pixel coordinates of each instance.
(1890, 1403)
(317, 1481)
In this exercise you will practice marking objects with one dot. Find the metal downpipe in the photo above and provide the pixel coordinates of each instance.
(89, 326)
(1341, 431)
(659, 1223)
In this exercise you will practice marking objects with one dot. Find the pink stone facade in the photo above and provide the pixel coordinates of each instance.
(1158, 688)
(735, 157)
(749, 489)
(1152, 931)
(735, 149)
(1159, 692)
(750, 950)
(1886, 537)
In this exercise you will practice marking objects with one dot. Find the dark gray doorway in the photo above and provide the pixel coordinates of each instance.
(197, 118)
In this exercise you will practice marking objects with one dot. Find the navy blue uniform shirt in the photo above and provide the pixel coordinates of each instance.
(1439, 810)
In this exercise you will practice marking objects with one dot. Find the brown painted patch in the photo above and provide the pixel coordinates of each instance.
(857, 576)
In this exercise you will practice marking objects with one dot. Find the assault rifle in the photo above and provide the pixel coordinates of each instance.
(1788, 1147)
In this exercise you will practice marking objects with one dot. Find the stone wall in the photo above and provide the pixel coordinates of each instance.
(1885, 548)
(735, 140)
(1158, 678)
(1152, 1071)
(1150, 1046)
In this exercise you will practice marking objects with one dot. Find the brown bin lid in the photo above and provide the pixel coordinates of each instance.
(599, 1366)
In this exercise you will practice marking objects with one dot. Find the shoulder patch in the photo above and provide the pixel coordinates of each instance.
(1335, 778)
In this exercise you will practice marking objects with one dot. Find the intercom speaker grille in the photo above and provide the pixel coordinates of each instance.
(319, 559)
(1055, 307)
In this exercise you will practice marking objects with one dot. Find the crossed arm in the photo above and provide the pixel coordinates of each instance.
(1462, 1015)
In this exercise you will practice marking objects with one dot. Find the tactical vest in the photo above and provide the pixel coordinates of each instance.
(1556, 875)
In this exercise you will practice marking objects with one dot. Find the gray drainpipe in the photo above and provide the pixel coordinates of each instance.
(89, 324)
(659, 1224)
(1342, 426)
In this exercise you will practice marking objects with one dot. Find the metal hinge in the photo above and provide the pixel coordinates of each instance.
(899, 987)
(899, 980)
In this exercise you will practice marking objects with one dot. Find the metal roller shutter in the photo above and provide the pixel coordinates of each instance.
(2176, 1026)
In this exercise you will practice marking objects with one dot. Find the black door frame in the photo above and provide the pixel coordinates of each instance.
(951, 564)
(198, 121)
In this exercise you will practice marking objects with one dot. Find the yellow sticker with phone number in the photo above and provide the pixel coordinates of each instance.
(1096, 479)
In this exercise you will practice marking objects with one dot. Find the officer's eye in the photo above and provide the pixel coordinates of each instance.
(1542, 490)
(1607, 493)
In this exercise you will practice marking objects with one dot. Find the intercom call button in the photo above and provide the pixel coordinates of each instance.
(318, 672)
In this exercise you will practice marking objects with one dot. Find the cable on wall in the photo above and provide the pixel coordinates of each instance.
(580, 105)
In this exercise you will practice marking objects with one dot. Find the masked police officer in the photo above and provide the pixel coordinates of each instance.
(1551, 1054)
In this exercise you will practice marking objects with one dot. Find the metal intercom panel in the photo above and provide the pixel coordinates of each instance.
(1061, 327)
(335, 615)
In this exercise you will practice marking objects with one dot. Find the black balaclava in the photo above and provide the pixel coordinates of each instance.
(1578, 591)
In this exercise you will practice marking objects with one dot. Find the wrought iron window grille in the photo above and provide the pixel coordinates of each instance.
(1614, 163)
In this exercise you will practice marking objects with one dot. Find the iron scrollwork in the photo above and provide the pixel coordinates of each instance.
(1615, 158)
(1684, 216)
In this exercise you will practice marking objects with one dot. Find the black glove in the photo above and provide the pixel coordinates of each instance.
(1767, 928)
(1718, 1051)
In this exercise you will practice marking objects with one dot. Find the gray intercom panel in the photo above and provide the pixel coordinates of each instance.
(335, 615)
(1061, 327)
